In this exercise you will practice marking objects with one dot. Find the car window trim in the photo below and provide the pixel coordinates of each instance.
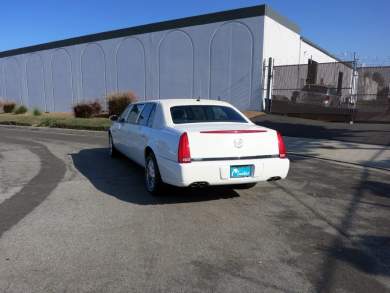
(126, 113)
(152, 112)
(139, 116)
(136, 119)
(153, 105)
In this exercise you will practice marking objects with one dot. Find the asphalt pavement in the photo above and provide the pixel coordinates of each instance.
(74, 220)
(366, 133)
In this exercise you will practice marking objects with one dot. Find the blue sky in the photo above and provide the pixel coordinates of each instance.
(342, 26)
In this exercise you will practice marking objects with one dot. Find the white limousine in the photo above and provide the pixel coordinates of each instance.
(195, 142)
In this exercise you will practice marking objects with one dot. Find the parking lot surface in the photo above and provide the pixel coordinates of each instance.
(369, 133)
(72, 219)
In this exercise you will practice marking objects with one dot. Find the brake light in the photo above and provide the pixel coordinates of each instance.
(282, 147)
(183, 152)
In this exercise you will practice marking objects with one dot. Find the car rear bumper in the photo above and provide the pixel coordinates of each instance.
(218, 172)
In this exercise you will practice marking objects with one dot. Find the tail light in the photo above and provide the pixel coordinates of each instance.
(282, 147)
(183, 152)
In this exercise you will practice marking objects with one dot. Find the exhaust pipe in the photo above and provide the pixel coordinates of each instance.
(276, 178)
(200, 184)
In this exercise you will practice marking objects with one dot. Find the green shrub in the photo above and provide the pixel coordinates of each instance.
(8, 107)
(36, 112)
(87, 109)
(97, 108)
(20, 109)
(83, 110)
(117, 102)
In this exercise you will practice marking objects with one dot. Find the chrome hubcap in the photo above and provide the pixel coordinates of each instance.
(150, 175)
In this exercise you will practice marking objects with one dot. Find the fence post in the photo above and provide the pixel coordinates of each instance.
(354, 89)
(263, 86)
(269, 85)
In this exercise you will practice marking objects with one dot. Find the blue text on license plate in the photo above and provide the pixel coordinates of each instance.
(240, 171)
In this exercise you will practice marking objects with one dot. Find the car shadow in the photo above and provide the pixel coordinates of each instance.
(377, 188)
(370, 254)
(123, 179)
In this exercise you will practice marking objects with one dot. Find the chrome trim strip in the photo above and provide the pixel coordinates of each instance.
(234, 158)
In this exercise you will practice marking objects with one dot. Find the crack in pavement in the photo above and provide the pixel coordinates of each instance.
(15, 208)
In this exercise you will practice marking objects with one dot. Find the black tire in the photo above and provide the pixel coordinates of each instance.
(153, 182)
(113, 152)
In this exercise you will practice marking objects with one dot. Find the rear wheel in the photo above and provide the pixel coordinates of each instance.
(153, 180)
(113, 152)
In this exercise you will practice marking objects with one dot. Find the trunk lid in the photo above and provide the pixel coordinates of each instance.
(229, 140)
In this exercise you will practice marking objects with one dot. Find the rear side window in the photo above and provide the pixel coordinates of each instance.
(205, 113)
(151, 116)
(145, 114)
(124, 114)
(134, 113)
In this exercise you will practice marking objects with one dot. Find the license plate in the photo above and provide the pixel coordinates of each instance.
(240, 171)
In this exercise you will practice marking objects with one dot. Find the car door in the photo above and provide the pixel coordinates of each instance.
(142, 132)
(129, 137)
(117, 129)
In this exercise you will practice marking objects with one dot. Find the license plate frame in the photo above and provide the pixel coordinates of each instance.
(241, 171)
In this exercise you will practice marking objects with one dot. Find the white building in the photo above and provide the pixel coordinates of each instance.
(216, 56)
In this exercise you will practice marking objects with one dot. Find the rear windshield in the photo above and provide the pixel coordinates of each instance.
(205, 113)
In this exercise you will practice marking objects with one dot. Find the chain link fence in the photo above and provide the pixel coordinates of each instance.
(338, 91)
(373, 94)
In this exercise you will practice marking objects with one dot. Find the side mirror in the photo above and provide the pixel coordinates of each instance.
(114, 117)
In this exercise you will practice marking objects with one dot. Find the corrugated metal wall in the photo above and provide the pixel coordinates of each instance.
(215, 60)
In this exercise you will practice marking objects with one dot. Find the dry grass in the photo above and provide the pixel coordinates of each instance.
(253, 114)
(67, 120)
(117, 102)
(55, 120)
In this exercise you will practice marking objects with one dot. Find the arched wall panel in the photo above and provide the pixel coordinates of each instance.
(35, 82)
(1, 80)
(210, 60)
(12, 80)
(176, 65)
(61, 68)
(131, 67)
(93, 73)
(231, 64)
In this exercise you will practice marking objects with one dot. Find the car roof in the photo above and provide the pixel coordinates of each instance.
(183, 102)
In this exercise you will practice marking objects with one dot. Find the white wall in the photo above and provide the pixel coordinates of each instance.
(280, 43)
(307, 52)
(217, 60)
(286, 46)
